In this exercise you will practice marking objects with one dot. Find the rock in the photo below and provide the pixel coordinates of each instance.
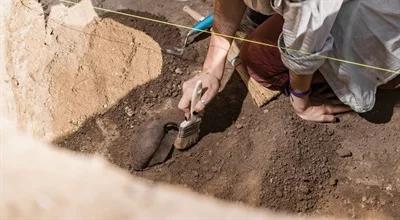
(344, 153)
(364, 198)
(239, 125)
(333, 181)
(129, 111)
(178, 71)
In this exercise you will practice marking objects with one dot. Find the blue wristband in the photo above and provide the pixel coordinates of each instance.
(289, 91)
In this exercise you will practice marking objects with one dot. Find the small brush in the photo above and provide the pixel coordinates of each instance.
(189, 129)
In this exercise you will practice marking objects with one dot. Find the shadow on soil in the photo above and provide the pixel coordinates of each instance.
(114, 133)
(300, 167)
(117, 131)
(386, 102)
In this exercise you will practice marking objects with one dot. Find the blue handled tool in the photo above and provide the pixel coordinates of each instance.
(197, 28)
(202, 25)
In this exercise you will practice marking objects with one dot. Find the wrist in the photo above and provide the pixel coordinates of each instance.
(213, 72)
(221, 41)
(289, 91)
(300, 104)
(299, 84)
(216, 56)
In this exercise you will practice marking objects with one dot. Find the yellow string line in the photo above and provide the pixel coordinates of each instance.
(238, 38)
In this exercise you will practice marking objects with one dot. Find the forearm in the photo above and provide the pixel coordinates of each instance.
(227, 17)
(216, 56)
(300, 83)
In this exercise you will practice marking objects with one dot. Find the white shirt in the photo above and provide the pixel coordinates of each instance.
(362, 31)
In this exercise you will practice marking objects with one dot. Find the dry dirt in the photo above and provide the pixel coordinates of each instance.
(133, 58)
(264, 157)
(57, 71)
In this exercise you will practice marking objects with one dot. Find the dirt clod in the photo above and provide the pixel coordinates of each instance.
(239, 125)
(344, 153)
(333, 181)
(178, 71)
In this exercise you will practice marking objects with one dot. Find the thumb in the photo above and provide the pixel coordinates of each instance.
(328, 118)
(184, 105)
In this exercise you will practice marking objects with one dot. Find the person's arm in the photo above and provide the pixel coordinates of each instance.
(227, 17)
(305, 38)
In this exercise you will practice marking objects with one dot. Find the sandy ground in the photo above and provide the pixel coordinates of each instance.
(57, 70)
(264, 157)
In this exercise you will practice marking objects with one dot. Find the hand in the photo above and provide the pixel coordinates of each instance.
(211, 86)
(210, 77)
(317, 113)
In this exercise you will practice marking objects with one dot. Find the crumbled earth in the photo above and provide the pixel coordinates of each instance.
(263, 157)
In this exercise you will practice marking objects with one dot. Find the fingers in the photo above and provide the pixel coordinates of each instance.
(210, 83)
(323, 113)
(184, 104)
(206, 98)
(322, 118)
(335, 109)
(326, 113)
(327, 119)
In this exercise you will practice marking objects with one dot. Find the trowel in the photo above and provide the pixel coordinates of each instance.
(154, 145)
(201, 25)
(166, 144)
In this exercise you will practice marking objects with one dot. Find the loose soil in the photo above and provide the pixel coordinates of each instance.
(133, 58)
(263, 157)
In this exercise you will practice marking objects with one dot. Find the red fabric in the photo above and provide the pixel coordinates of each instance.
(264, 63)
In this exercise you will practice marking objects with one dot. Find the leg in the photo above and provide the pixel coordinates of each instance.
(264, 63)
